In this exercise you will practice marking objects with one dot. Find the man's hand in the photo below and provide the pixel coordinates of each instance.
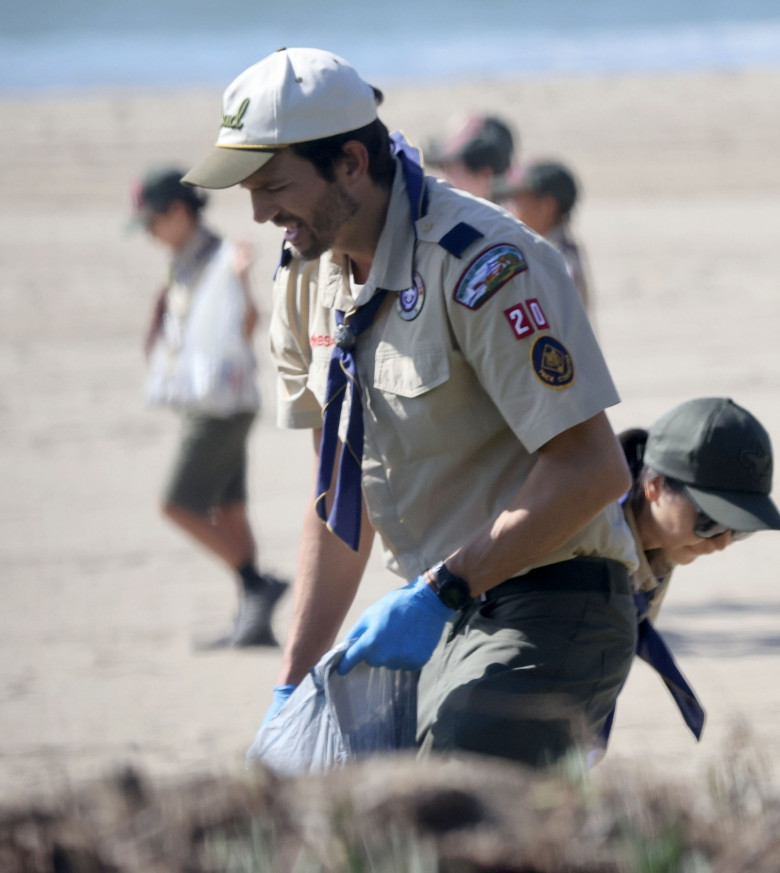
(280, 697)
(400, 631)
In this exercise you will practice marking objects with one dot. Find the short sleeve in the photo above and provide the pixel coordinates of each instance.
(296, 405)
(519, 321)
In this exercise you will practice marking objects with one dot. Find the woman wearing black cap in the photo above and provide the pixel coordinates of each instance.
(702, 479)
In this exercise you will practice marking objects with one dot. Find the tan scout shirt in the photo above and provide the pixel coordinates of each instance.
(654, 573)
(458, 394)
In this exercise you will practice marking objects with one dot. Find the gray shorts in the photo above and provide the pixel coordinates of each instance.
(210, 467)
(533, 670)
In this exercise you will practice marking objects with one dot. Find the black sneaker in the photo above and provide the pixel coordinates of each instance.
(253, 624)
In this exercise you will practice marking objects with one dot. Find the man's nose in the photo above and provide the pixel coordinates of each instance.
(263, 208)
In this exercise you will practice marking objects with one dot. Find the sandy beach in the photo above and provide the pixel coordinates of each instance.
(101, 599)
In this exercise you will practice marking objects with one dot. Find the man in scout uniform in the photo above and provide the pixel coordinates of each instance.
(474, 435)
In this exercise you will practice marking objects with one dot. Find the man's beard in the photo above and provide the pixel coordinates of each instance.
(330, 214)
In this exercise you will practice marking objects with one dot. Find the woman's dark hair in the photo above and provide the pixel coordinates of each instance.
(633, 442)
(674, 485)
(325, 153)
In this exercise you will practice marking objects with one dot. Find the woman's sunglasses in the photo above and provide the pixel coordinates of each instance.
(707, 528)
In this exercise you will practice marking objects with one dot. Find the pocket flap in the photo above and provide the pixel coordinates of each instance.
(411, 375)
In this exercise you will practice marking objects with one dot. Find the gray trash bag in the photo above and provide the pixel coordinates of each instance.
(331, 719)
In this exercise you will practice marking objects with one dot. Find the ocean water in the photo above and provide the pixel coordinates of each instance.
(56, 44)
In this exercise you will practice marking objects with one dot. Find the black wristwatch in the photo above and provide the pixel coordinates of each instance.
(453, 591)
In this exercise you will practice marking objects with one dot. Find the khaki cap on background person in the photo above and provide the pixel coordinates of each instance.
(294, 95)
(723, 456)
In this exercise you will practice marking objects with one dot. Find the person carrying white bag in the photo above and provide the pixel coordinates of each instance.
(201, 364)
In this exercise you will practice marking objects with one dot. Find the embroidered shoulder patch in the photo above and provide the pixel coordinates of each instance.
(488, 272)
(552, 362)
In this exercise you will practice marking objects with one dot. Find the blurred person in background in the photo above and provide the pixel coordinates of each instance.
(542, 194)
(204, 309)
(474, 155)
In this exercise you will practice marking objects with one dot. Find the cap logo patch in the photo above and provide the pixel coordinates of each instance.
(234, 121)
(488, 272)
(410, 301)
(757, 462)
(552, 362)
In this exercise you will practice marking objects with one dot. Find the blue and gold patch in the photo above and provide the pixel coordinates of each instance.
(552, 362)
(488, 272)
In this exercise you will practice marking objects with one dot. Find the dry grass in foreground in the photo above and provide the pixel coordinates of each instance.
(400, 815)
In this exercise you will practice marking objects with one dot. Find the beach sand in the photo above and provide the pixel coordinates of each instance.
(101, 598)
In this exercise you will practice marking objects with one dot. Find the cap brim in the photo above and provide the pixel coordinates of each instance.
(226, 167)
(738, 510)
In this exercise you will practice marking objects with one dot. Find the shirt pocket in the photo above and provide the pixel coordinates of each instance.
(410, 375)
(421, 405)
(317, 380)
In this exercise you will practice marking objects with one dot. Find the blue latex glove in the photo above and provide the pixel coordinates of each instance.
(400, 631)
(280, 697)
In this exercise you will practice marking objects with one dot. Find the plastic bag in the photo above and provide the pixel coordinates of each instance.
(214, 372)
(331, 719)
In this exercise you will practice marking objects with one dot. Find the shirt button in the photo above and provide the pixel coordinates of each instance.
(427, 225)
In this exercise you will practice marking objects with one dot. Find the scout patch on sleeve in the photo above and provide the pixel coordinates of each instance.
(552, 362)
(537, 313)
(519, 321)
(488, 272)
(522, 325)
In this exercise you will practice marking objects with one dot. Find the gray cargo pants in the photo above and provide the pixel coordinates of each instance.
(532, 669)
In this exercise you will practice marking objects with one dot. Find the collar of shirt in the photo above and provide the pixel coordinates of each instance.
(393, 260)
(654, 566)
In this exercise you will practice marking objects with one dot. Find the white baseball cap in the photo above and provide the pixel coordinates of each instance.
(294, 95)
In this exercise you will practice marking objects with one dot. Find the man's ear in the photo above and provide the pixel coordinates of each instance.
(353, 163)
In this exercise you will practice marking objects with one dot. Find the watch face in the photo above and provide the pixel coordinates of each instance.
(454, 592)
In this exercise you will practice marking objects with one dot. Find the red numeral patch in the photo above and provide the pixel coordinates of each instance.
(537, 314)
(519, 321)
